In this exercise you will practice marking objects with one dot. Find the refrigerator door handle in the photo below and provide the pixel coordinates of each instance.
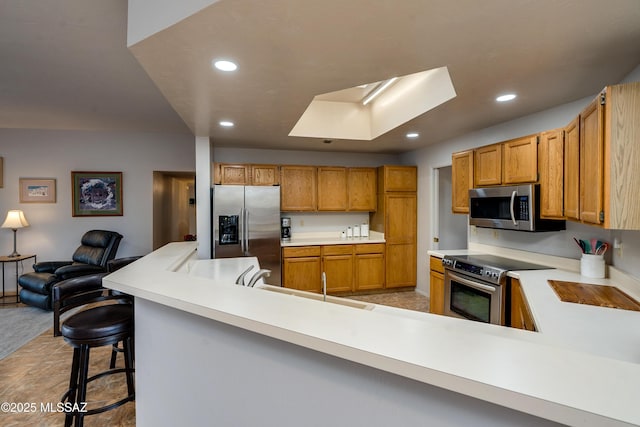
(241, 231)
(246, 231)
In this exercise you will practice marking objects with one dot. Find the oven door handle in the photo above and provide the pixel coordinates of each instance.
(470, 283)
(512, 207)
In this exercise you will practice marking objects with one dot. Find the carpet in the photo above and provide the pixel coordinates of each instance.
(20, 325)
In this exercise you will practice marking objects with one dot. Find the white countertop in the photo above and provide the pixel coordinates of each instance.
(529, 372)
(330, 238)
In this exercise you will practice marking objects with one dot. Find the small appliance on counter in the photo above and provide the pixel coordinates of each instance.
(285, 228)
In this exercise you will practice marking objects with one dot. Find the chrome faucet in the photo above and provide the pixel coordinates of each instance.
(240, 279)
(259, 275)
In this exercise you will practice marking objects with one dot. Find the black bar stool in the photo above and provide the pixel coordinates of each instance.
(96, 327)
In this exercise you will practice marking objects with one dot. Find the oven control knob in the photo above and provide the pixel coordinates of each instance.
(495, 275)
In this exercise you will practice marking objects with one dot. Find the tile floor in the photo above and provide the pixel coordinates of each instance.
(38, 373)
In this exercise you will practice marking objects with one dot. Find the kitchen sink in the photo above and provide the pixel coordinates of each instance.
(318, 297)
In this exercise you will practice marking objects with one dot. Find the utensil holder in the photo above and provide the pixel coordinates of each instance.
(592, 266)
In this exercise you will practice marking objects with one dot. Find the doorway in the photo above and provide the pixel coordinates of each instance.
(450, 230)
(174, 207)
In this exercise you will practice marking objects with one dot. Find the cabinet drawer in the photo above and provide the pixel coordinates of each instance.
(435, 264)
(369, 248)
(300, 251)
(337, 250)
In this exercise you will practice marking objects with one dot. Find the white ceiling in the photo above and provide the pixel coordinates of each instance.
(65, 64)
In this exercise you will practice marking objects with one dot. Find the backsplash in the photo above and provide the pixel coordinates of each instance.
(560, 243)
(324, 221)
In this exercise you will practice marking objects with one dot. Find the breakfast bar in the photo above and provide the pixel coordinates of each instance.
(209, 351)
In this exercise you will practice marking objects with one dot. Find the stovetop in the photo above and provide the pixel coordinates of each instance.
(489, 268)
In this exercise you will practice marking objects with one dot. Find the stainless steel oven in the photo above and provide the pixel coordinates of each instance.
(475, 286)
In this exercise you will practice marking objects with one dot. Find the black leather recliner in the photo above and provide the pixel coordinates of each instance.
(98, 247)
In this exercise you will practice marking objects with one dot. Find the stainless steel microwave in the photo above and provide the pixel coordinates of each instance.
(511, 208)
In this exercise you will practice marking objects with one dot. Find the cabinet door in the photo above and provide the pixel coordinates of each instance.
(339, 272)
(233, 174)
(297, 188)
(551, 164)
(436, 292)
(265, 175)
(302, 273)
(591, 163)
(572, 170)
(487, 167)
(520, 160)
(362, 189)
(398, 178)
(400, 217)
(400, 265)
(461, 180)
(332, 189)
(521, 316)
(369, 271)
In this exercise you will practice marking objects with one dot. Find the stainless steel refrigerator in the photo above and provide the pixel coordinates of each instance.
(246, 222)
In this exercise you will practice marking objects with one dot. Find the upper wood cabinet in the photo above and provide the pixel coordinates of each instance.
(398, 178)
(572, 169)
(332, 189)
(461, 180)
(362, 189)
(610, 158)
(509, 162)
(231, 174)
(520, 160)
(298, 186)
(551, 167)
(487, 167)
(265, 175)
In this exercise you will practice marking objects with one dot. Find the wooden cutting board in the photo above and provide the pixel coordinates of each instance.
(598, 295)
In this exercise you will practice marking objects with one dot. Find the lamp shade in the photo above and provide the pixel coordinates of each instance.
(15, 219)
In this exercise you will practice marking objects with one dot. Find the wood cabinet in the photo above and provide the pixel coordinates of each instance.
(436, 286)
(461, 180)
(348, 268)
(231, 174)
(301, 268)
(265, 175)
(487, 167)
(369, 266)
(551, 167)
(591, 163)
(509, 162)
(396, 217)
(337, 264)
(610, 158)
(521, 316)
(520, 160)
(298, 188)
(398, 178)
(332, 189)
(362, 185)
(572, 170)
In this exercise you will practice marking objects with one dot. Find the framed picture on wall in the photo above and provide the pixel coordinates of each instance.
(37, 190)
(97, 193)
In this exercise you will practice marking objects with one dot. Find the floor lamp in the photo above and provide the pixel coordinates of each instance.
(15, 219)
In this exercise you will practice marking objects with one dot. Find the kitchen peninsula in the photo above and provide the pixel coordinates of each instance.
(208, 351)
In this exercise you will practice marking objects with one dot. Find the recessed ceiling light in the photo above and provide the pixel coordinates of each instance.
(506, 97)
(224, 65)
(226, 123)
(413, 135)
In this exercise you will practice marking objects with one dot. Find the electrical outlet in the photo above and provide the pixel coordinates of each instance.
(302, 223)
(495, 234)
(474, 230)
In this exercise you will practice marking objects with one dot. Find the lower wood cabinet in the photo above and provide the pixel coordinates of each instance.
(348, 268)
(400, 265)
(301, 268)
(436, 286)
(521, 316)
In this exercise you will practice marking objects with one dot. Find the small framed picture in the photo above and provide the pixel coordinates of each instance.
(97, 193)
(37, 190)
